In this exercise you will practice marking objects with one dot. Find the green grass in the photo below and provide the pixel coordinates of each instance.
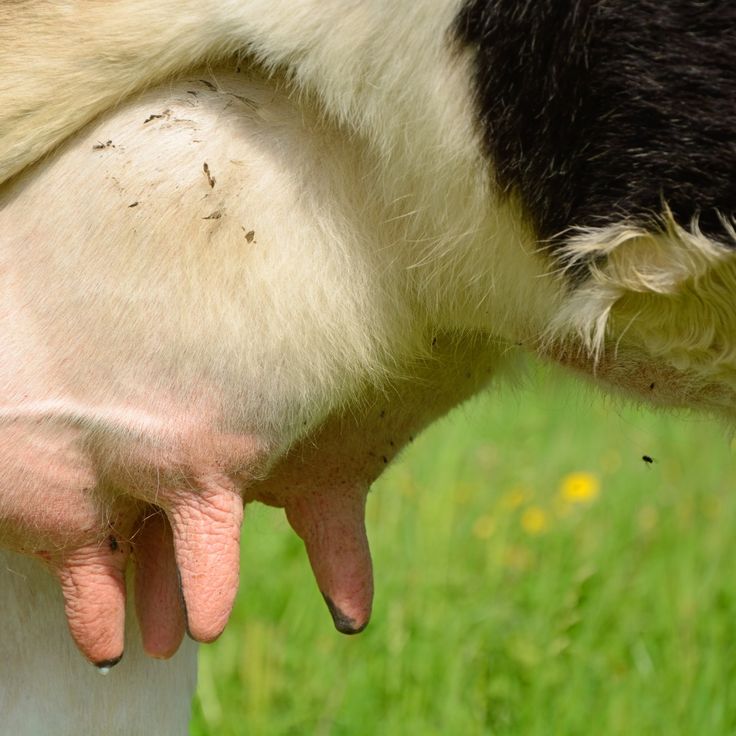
(613, 616)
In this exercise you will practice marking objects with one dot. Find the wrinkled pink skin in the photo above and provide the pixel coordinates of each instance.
(178, 512)
(85, 521)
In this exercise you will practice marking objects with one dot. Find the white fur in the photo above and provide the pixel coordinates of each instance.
(668, 295)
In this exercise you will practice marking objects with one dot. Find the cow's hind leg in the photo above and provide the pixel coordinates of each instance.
(47, 688)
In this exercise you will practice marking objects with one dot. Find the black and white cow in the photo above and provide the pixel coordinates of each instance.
(248, 248)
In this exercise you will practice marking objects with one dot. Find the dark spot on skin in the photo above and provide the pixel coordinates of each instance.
(151, 117)
(216, 215)
(647, 459)
(434, 341)
(382, 414)
(250, 236)
(467, 375)
(107, 663)
(385, 459)
(344, 624)
(237, 69)
(134, 204)
(209, 85)
(651, 386)
(411, 438)
(391, 442)
(211, 179)
(112, 543)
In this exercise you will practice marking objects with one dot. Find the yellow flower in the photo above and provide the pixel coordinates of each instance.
(580, 488)
(484, 527)
(534, 520)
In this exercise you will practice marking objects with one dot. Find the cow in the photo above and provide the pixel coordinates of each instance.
(79, 508)
(270, 242)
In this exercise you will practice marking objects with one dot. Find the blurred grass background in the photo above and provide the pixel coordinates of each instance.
(533, 576)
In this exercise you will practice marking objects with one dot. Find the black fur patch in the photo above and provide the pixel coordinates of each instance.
(597, 111)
